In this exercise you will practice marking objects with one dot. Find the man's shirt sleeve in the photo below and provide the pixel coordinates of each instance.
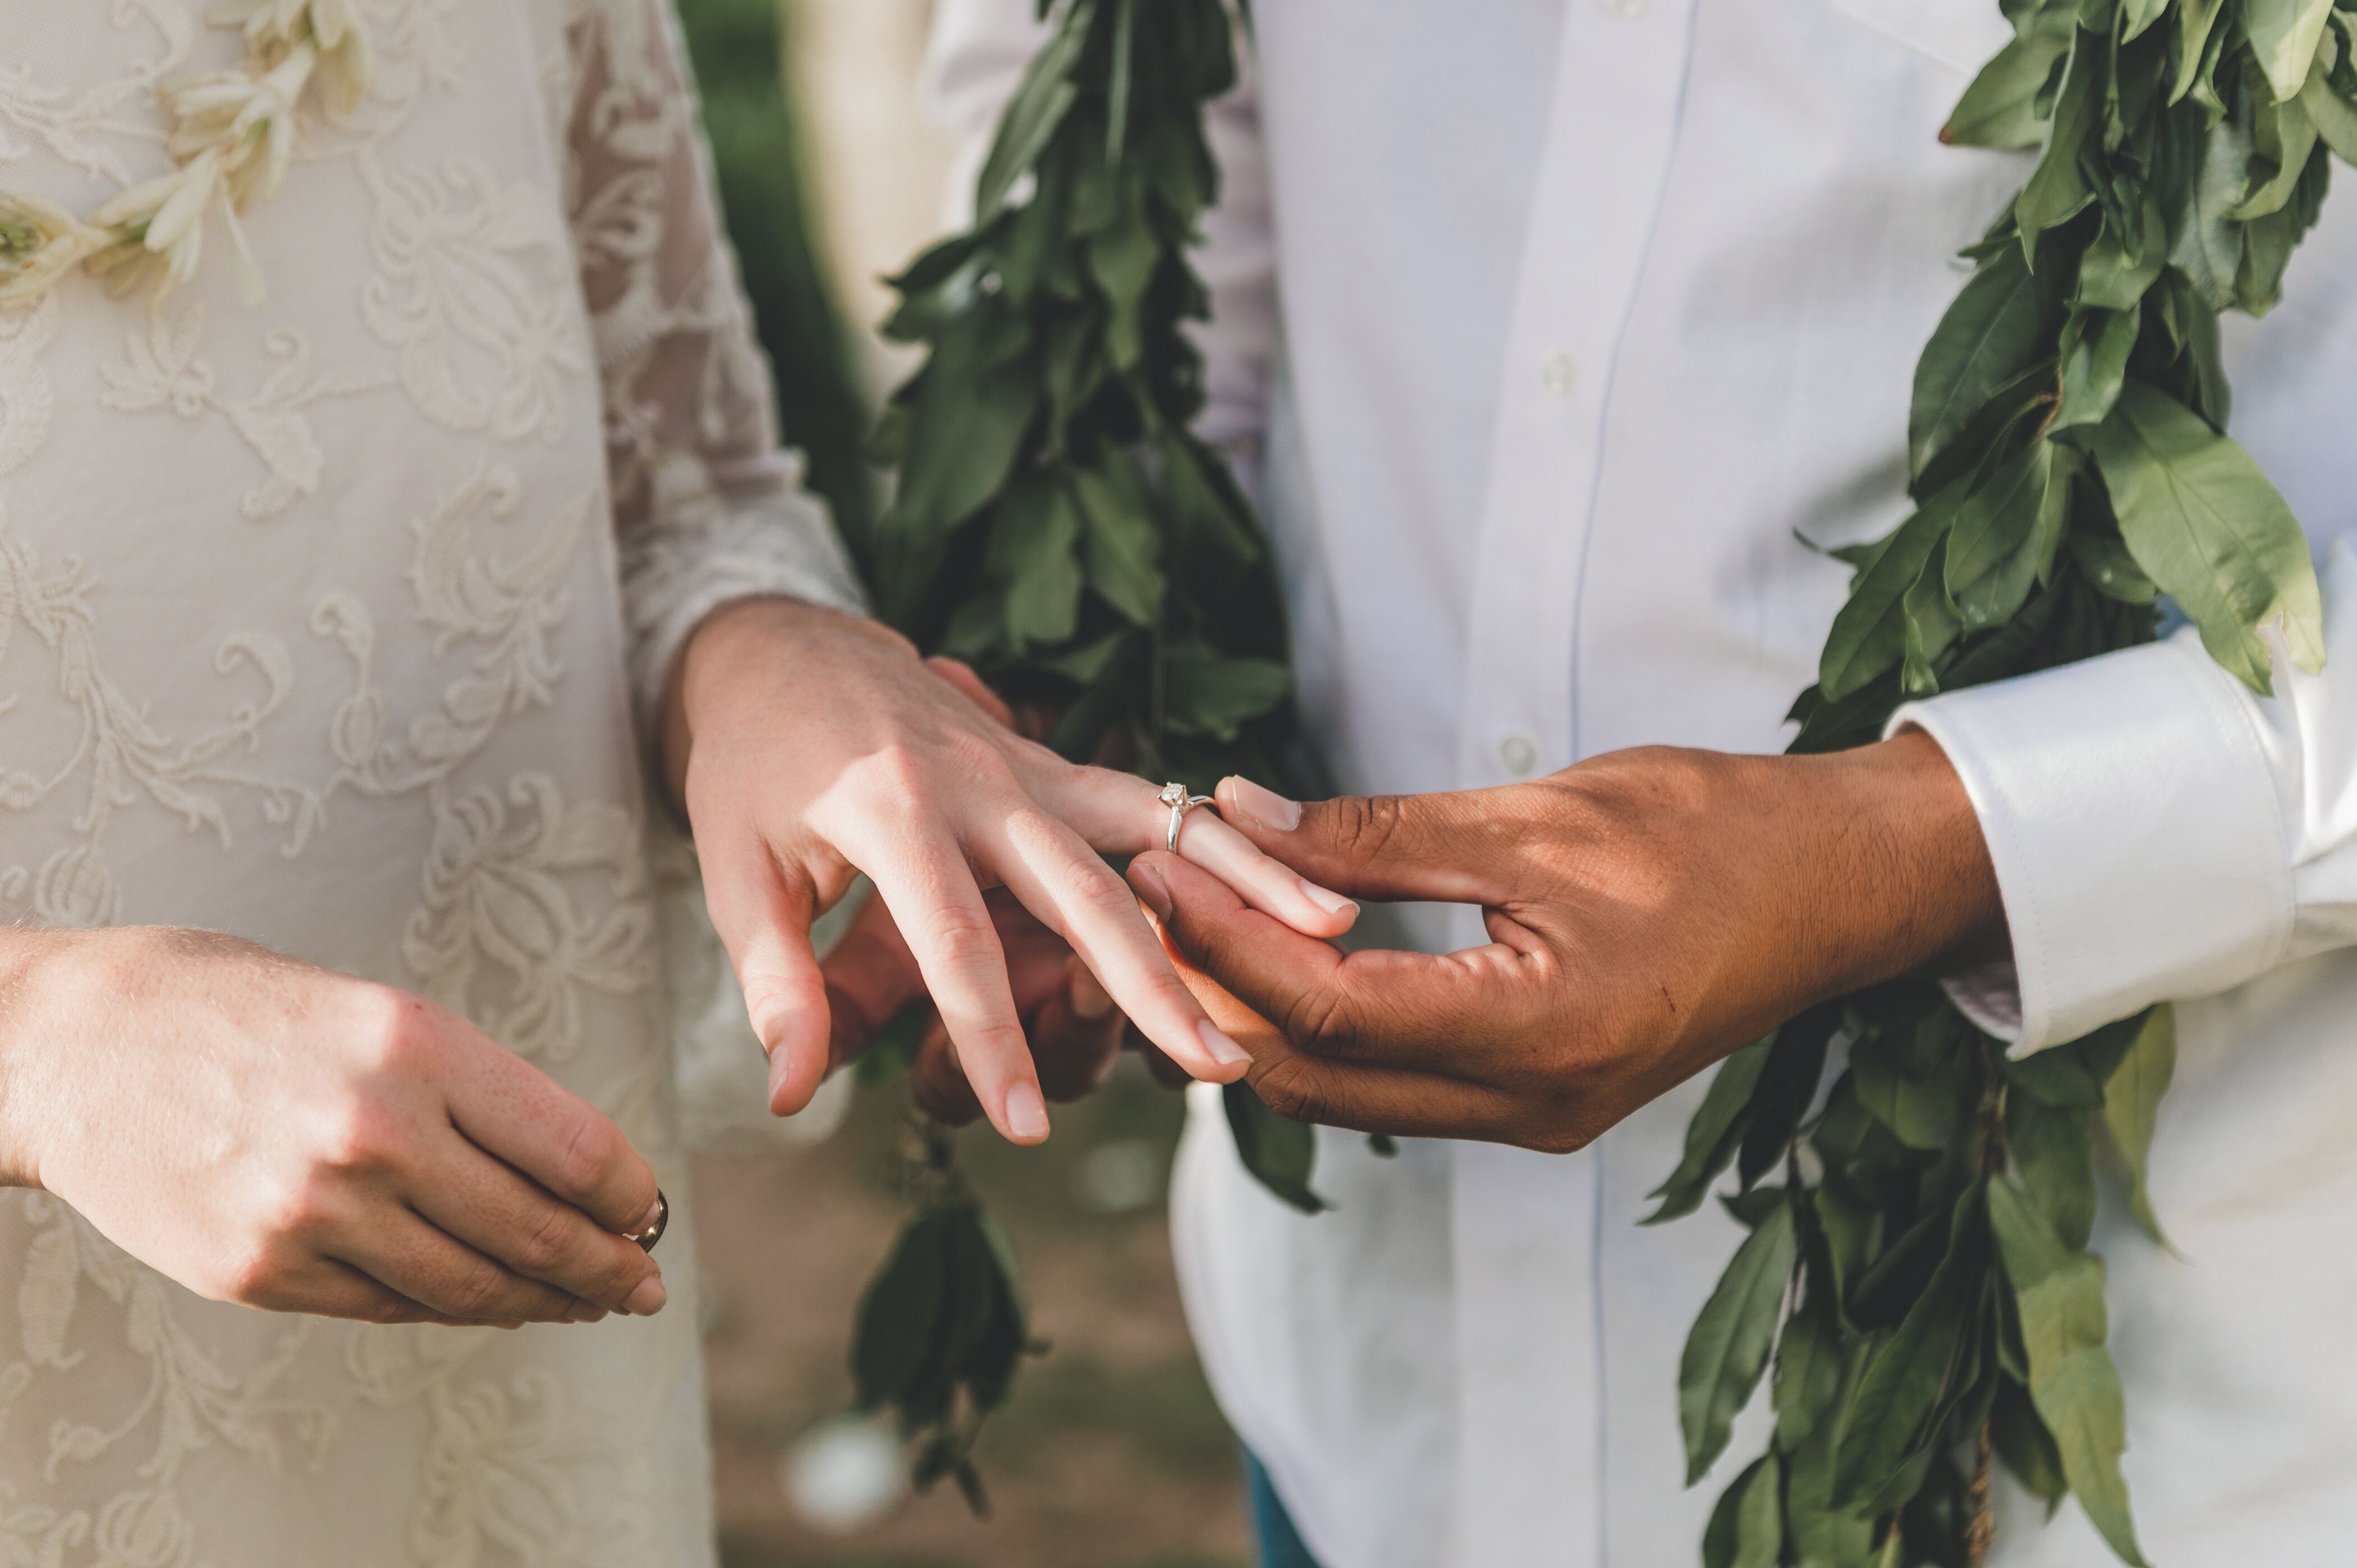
(2158, 831)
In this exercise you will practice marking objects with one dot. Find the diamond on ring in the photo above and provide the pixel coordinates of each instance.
(1174, 795)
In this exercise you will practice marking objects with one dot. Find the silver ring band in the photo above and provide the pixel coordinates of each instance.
(1174, 795)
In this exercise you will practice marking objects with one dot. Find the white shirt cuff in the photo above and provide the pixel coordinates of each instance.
(2133, 818)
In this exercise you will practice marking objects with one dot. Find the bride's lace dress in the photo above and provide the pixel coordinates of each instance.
(323, 622)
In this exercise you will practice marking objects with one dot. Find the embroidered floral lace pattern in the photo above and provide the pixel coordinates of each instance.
(324, 622)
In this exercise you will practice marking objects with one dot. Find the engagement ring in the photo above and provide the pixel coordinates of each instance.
(1175, 796)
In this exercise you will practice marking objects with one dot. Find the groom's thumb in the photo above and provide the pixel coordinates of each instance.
(1434, 848)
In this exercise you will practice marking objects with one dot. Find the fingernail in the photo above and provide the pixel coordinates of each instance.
(1027, 1113)
(647, 1220)
(1091, 1000)
(1325, 899)
(1224, 1051)
(778, 1067)
(1267, 807)
(648, 1298)
(1151, 887)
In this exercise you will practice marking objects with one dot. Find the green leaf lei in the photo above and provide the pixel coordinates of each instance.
(1916, 1274)
(1057, 525)
(1920, 1280)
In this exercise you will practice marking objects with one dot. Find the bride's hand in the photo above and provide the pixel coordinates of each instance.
(808, 746)
(272, 1133)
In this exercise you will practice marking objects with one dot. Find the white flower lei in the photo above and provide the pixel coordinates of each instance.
(233, 135)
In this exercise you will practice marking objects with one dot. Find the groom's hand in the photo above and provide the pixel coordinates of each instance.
(1649, 911)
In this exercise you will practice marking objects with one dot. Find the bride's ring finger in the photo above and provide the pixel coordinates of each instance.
(1121, 814)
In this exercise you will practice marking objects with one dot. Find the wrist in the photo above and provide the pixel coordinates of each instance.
(36, 967)
(768, 633)
(1911, 886)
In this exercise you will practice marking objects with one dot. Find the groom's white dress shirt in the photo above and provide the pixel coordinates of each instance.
(1558, 322)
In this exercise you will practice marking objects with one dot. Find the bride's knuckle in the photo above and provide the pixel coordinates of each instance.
(359, 1137)
(961, 936)
(258, 1276)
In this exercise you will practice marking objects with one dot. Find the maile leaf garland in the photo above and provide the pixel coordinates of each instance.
(1057, 525)
(2069, 467)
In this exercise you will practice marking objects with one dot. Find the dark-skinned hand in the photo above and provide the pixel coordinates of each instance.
(1649, 911)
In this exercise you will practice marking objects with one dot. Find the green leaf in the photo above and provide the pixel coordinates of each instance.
(2132, 1105)
(1988, 337)
(1808, 1371)
(2105, 561)
(967, 423)
(895, 1335)
(1760, 1519)
(1714, 1134)
(1924, 1112)
(2054, 1153)
(1123, 259)
(2284, 38)
(1279, 1151)
(1826, 1535)
(2334, 119)
(2058, 187)
(2060, 1293)
(1122, 545)
(1038, 108)
(1209, 696)
(2006, 534)
(1870, 634)
(2026, 1448)
(1727, 1348)
(1787, 1087)
(1722, 1538)
(2095, 364)
(2284, 136)
(2202, 520)
(1933, 623)
(1907, 1375)
(2201, 41)
(2209, 244)
(2113, 274)
(2135, 16)
(1033, 543)
(2000, 108)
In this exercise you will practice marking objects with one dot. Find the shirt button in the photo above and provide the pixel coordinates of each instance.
(1556, 373)
(1519, 754)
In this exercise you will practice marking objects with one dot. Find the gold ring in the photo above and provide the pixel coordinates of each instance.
(647, 1237)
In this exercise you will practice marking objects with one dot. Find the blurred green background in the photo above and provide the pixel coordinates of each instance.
(1112, 1453)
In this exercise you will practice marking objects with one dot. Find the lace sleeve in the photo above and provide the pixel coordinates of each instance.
(707, 506)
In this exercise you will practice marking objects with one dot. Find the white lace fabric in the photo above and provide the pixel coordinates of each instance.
(324, 622)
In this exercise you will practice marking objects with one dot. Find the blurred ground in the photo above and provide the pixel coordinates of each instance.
(1110, 1455)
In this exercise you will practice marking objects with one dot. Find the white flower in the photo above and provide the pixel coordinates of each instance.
(39, 243)
(159, 227)
(274, 29)
(248, 120)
